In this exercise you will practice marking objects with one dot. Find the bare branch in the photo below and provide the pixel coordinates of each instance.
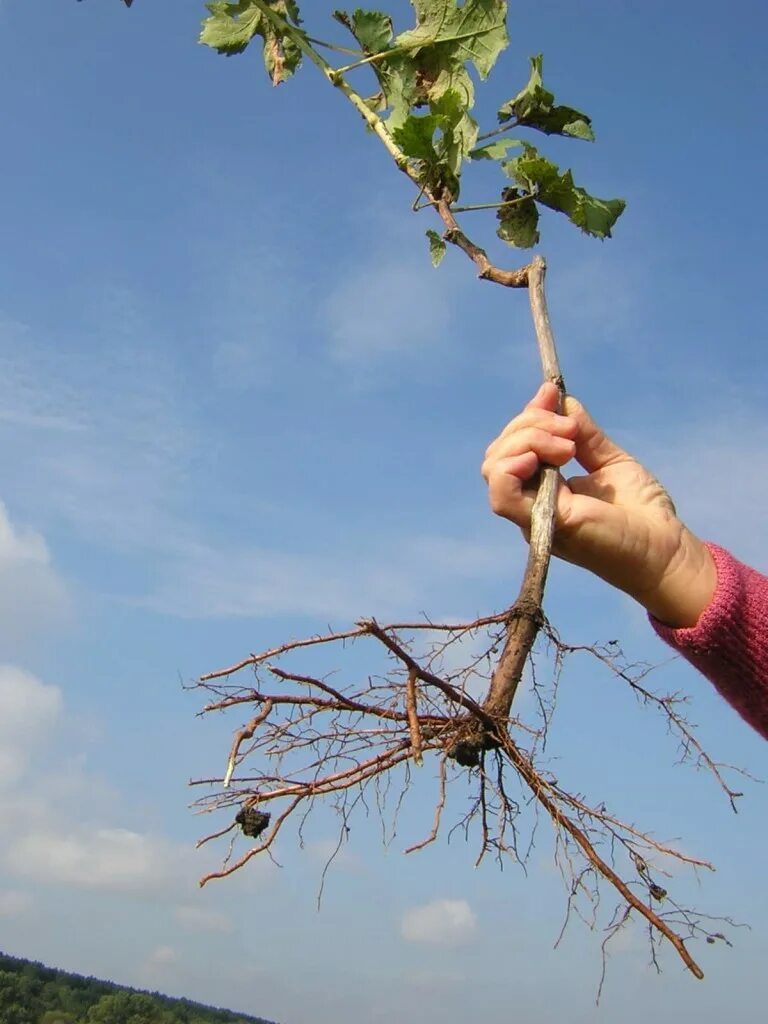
(417, 743)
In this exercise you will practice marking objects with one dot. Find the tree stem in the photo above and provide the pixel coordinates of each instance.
(335, 47)
(508, 127)
(527, 614)
(492, 206)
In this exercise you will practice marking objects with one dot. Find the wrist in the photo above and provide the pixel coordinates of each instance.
(687, 587)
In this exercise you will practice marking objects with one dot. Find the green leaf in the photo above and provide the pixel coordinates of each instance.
(459, 130)
(518, 222)
(534, 107)
(415, 137)
(495, 150)
(456, 131)
(437, 247)
(559, 192)
(372, 29)
(476, 32)
(231, 27)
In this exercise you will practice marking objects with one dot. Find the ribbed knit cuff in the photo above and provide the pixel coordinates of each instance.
(729, 643)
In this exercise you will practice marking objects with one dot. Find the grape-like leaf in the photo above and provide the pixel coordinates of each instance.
(415, 137)
(437, 247)
(475, 31)
(372, 29)
(439, 140)
(231, 26)
(518, 221)
(559, 192)
(495, 150)
(459, 130)
(534, 107)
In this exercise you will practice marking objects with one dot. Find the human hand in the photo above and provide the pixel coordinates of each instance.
(616, 520)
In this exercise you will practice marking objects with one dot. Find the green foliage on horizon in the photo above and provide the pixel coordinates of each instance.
(31, 993)
(425, 98)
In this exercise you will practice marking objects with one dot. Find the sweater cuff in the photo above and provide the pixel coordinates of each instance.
(718, 613)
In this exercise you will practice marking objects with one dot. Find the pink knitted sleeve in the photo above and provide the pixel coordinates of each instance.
(729, 643)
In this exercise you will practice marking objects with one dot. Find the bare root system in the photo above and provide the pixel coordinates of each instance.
(309, 739)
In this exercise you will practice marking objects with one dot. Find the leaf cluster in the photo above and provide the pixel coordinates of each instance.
(425, 97)
(230, 27)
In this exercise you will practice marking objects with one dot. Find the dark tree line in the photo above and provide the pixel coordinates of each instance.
(31, 993)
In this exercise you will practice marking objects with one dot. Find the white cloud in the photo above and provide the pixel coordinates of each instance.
(439, 923)
(14, 902)
(198, 919)
(162, 955)
(20, 545)
(329, 851)
(44, 836)
(113, 859)
(30, 709)
(32, 595)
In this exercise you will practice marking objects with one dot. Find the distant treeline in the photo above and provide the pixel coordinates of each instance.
(31, 993)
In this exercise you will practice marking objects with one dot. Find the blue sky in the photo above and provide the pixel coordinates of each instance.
(237, 403)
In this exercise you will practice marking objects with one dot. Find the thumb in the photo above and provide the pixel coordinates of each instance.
(594, 449)
(547, 397)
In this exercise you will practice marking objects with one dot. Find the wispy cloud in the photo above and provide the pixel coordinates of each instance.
(252, 338)
(442, 922)
(15, 902)
(399, 577)
(201, 919)
(92, 432)
(25, 400)
(391, 306)
(593, 301)
(164, 955)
